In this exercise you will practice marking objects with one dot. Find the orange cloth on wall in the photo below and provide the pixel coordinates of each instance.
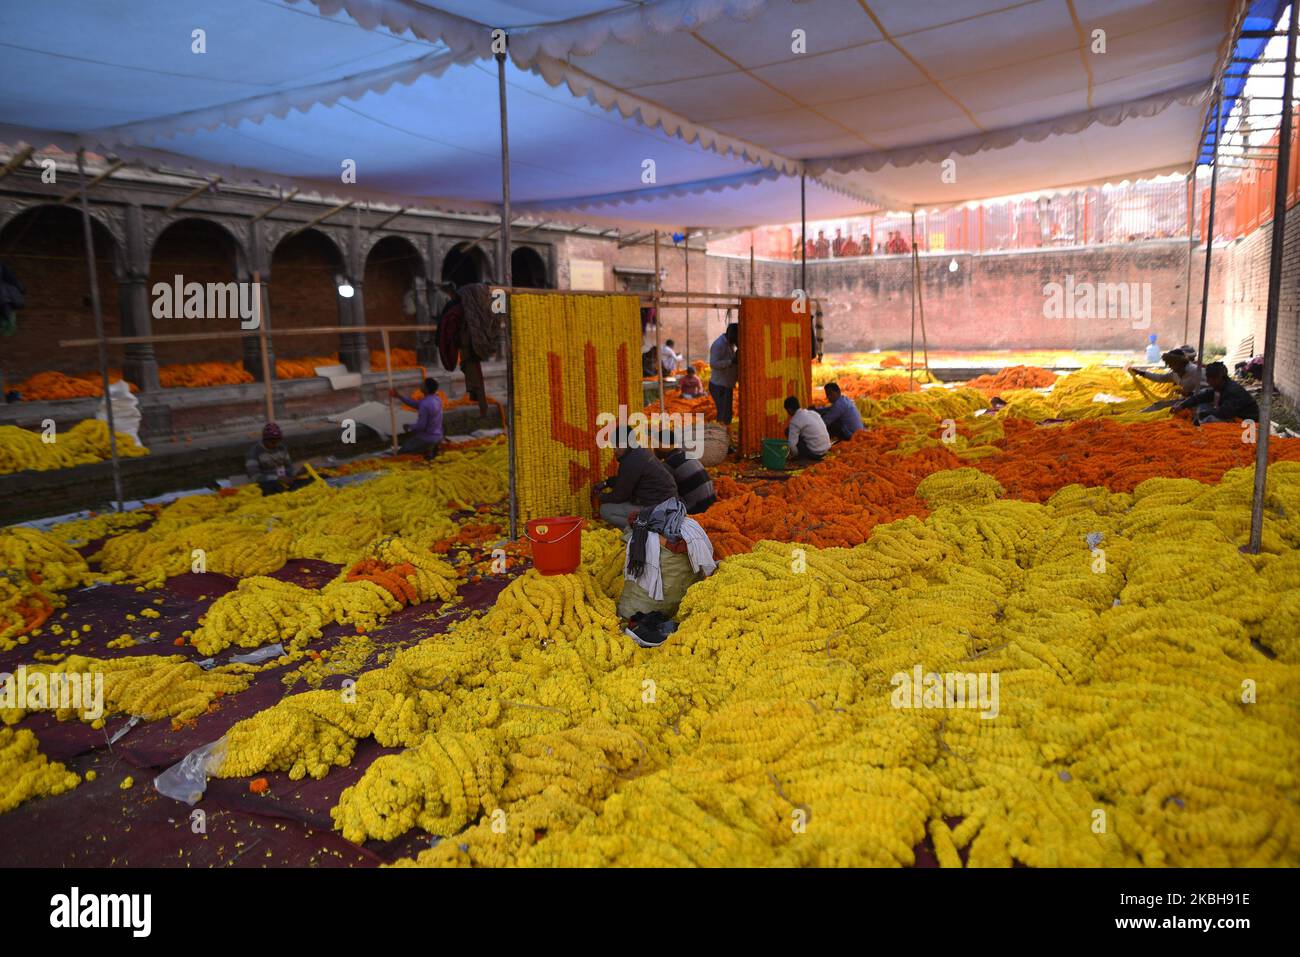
(775, 361)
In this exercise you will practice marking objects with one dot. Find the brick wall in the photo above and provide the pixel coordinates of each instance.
(999, 300)
(1239, 293)
(202, 252)
(46, 251)
(303, 293)
(390, 269)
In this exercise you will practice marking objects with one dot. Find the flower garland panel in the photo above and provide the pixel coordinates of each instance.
(775, 362)
(574, 358)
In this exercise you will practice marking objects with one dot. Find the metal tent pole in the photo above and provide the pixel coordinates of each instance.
(1274, 290)
(1191, 246)
(1209, 226)
(751, 262)
(659, 330)
(506, 278)
(687, 243)
(911, 360)
(99, 326)
(803, 236)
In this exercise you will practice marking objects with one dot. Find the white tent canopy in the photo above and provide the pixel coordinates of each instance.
(717, 93)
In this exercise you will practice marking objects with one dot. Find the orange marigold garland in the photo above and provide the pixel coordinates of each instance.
(775, 361)
(575, 357)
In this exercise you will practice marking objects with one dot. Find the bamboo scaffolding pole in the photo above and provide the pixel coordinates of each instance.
(192, 193)
(321, 218)
(388, 368)
(87, 187)
(271, 209)
(17, 160)
(263, 347)
(93, 275)
(386, 220)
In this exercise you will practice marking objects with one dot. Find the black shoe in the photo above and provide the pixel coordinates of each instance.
(645, 635)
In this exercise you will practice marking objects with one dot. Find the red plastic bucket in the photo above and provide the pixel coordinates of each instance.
(557, 544)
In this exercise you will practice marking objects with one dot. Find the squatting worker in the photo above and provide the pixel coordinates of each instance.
(426, 435)
(689, 385)
(841, 416)
(724, 367)
(667, 552)
(1187, 374)
(808, 436)
(1224, 399)
(694, 487)
(269, 464)
(642, 481)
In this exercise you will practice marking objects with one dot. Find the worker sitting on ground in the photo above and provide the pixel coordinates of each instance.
(843, 421)
(1182, 370)
(269, 464)
(667, 552)
(689, 385)
(426, 434)
(642, 481)
(694, 487)
(809, 440)
(1223, 400)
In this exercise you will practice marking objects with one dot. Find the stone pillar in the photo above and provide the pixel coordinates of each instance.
(354, 352)
(139, 363)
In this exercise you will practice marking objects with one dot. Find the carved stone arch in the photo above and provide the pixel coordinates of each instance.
(279, 232)
(157, 224)
(369, 240)
(110, 218)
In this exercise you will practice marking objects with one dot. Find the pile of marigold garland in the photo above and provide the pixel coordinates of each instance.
(1145, 710)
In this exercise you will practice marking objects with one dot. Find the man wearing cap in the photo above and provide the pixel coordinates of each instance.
(642, 482)
(1189, 376)
(269, 464)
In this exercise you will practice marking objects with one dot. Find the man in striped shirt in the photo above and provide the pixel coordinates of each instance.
(694, 487)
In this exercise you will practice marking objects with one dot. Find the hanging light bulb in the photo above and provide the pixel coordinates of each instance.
(952, 266)
(345, 287)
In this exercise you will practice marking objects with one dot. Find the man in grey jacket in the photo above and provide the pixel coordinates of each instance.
(723, 370)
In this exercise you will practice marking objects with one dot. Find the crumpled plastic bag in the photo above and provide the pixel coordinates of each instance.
(187, 779)
(260, 655)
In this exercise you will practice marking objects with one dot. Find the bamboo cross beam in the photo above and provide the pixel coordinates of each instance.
(322, 217)
(388, 219)
(192, 193)
(19, 158)
(271, 209)
(117, 165)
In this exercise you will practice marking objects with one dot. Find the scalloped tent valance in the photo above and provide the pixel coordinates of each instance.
(696, 113)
